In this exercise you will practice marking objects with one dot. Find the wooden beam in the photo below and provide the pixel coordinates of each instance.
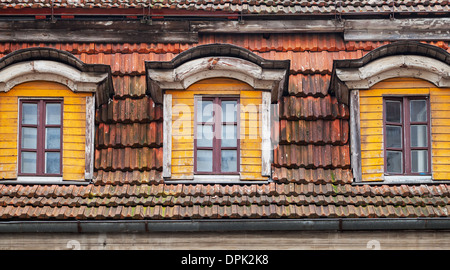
(267, 26)
(397, 29)
(97, 31)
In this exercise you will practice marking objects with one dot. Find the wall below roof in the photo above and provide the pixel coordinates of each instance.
(282, 240)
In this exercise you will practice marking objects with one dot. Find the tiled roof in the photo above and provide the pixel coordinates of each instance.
(311, 171)
(249, 6)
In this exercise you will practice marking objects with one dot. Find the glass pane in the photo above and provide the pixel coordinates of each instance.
(52, 138)
(204, 136)
(394, 162)
(53, 114)
(29, 138)
(419, 161)
(393, 111)
(52, 162)
(229, 160)
(28, 162)
(205, 111)
(229, 138)
(394, 136)
(418, 110)
(204, 160)
(29, 114)
(419, 136)
(229, 111)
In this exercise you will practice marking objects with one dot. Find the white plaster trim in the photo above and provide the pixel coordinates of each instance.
(407, 178)
(42, 180)
(53, 71)
(414, 66)
(195, 70)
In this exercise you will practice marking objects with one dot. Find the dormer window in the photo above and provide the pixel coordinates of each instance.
(399, 95)
(217, 115)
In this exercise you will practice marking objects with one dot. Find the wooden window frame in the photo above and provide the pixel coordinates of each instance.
(40, 143)
(406, 136)
(217, 134)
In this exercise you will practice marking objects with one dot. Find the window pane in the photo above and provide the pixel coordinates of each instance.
(204, 160)
(52, 162)
(229, 111)
(52, 138)
(419, 136)
(205, 111)
(29, 138)
(229, 160)
(28, 162)
(418, 110)
(419, 161)
(394, 162)
(393, 111)
(204, 136)
(29, 114)
(53, 114)
(229, 138)
(394, 136)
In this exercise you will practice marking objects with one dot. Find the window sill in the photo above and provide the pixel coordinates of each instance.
(404, 180)
(42, 180)
(216, 179)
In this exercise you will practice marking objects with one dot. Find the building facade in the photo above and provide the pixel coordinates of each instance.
(208, 118)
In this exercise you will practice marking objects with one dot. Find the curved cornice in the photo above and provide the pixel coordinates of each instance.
(399, 59)
(54, 65)
(217, 60)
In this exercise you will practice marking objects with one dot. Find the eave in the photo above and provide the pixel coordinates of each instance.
(224, 225)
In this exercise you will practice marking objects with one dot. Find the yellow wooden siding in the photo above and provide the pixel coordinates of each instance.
(371, 123)
(183, 126)
(74, 127)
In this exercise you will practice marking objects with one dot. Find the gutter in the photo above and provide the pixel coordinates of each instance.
(220, 225)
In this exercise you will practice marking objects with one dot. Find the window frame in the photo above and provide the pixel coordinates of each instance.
(40, 137)
(217, 134)
(406, 134)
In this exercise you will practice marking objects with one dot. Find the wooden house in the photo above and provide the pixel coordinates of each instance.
(222, 120)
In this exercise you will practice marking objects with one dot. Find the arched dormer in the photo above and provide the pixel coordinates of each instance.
(408, 59)
(399, 95)
(217, 60)
(52, 65)
(47, 104)
(201, 86)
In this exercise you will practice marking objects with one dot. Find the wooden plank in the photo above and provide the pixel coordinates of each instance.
(267, 26)
(371, 177)
(89, 129)
(441, 175)
(181, 162)
(372, 154)
(443, 152)
(441, 167)
(167, 138)
(378, 131)
(87, 31)
(372, 124)
(371, 139)
(372, 162)
(371, 146)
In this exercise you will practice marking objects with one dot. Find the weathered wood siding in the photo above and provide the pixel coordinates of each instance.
(371, 119)
(183, 126)
(74, 127)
